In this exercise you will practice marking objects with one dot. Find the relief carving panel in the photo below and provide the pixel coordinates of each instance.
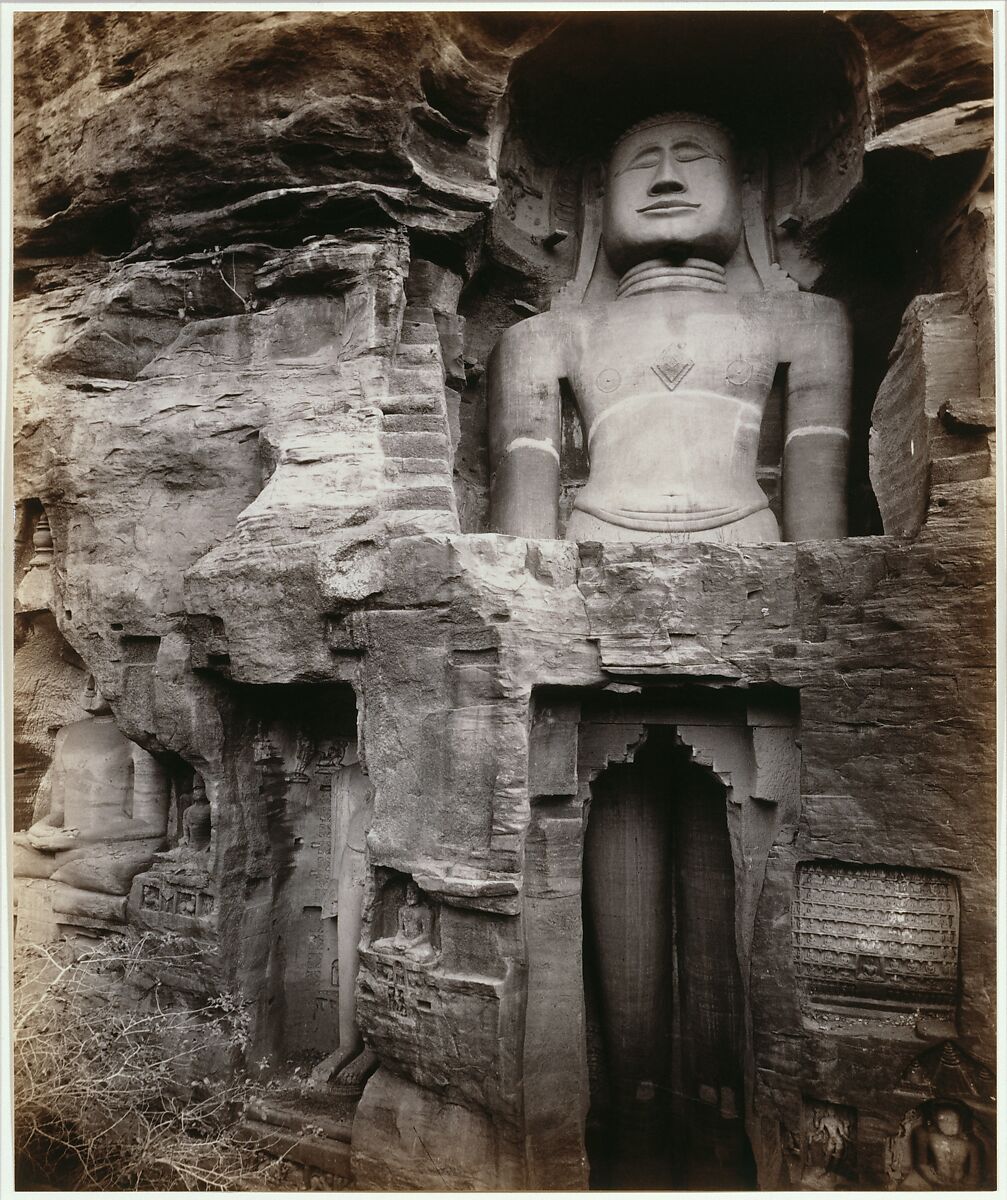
(876, 938)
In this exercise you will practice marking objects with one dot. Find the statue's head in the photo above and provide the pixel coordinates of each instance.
(198, 788)
(93, 701)
(948, 1120)
(673, 191)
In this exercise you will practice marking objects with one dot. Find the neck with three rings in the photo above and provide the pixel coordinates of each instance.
(665, 274)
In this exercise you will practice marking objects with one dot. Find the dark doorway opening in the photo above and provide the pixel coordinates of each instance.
(664, 997)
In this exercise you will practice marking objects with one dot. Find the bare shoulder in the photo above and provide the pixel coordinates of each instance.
(807, 306)
(63, 734)
(535, 329)
(534, 345)
(804, 321)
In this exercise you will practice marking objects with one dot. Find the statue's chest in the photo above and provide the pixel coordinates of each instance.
(642, 346)
(949, 1152)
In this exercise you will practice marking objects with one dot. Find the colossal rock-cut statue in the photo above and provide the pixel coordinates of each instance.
(107, 819)
(349, 1065)
(672, 377)
(946, 1155)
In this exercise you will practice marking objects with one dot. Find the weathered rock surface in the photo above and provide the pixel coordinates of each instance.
(915, 437)
(405, 102)
(262, 259)
(966, 126)
(920, 62)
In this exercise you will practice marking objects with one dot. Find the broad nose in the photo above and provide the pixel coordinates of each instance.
(667, 176)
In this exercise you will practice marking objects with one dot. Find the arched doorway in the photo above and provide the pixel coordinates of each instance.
(664, 996)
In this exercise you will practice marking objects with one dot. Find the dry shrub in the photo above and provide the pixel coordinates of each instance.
(125, 1080)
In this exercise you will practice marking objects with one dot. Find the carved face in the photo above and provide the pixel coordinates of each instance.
(673, 192)
(93, 701)
(948, 1121)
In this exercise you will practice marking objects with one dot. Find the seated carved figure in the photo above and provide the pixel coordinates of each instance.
(946, 1156)
(671, 378)
(196, 818)
(107, 818)
(412, 938)
(196, 824)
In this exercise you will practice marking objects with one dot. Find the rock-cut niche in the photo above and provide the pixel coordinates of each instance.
(304, 798)
(791, 88)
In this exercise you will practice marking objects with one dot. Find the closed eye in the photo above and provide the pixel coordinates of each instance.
(692, 151)
(645, 159)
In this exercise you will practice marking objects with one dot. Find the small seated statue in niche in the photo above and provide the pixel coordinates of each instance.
(196, 824)
(412, 939)
(672, 377)
(946, 1155)
(196, 819)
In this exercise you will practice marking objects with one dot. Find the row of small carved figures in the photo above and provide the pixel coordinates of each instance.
(901, 941)
(893, 968)
(874, 881)
(891, 912)
(181, 901)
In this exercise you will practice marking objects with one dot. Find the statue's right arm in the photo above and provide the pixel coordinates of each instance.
(43, 831)
(921, 1156)
(524, 430)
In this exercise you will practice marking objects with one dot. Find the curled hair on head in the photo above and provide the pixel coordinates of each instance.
(666, 117)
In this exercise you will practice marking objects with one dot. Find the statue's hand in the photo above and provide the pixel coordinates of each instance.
(929, 1174)
(46, 837)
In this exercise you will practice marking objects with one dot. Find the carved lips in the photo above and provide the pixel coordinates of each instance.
(667, 205)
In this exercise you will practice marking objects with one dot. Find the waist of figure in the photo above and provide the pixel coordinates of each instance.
(667, 513)
(666, 412)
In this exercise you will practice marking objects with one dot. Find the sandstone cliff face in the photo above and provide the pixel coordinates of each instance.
(261, 261)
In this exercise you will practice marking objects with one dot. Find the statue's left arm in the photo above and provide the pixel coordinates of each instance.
(524, 429)
(817, 420)
(973, 1166)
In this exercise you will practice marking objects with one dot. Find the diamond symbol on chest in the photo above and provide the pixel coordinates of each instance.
(672, 367)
